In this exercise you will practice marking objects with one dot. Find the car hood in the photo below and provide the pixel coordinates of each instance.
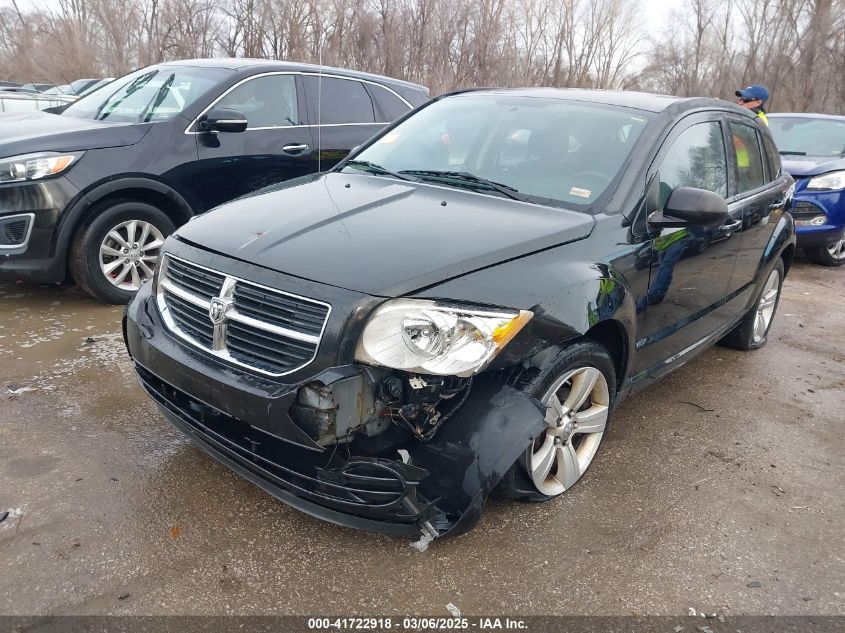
(803, 166)
(27, 132)
(380, 236)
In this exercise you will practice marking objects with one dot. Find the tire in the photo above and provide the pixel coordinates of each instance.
(829, 255)
(97, 263)
(582, 361)
(746, 336)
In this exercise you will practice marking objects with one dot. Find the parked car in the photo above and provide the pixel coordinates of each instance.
(459, 305)
(29, 101)
(39, 87)
(813, 151)
(94, 191)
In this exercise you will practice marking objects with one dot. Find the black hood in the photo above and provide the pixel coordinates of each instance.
(28, 132)
(802, 166)
(378, 235)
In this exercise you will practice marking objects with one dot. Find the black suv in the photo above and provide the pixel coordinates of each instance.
(96, 190)
(458, 307)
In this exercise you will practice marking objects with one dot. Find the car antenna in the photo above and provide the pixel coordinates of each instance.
(319, 106)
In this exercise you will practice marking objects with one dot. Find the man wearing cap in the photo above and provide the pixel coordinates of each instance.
(753, 98)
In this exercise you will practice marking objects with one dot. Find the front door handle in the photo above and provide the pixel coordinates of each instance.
(730, 227)
(295, 149)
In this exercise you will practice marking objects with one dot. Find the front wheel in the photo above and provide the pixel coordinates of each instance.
(118, 249)
(830, 255)
(578, 390)
(753, 331)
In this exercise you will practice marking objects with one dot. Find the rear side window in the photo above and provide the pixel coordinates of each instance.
(696, 159)
(772, 157)
(391, 106)
(343, 101)
(267, 102)
(748, 159)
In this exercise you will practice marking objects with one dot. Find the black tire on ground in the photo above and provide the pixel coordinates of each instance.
(742, 336)
(823, 257)
(517, 484)
(84, 258)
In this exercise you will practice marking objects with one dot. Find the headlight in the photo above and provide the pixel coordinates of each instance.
(35, 166)
(832, 180)
(428, 338)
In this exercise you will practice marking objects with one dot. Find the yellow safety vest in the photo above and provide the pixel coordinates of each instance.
(762, 116)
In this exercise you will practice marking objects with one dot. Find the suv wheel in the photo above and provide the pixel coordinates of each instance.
(830, 255)
(118, 249)
(752, 332)
(578, 390)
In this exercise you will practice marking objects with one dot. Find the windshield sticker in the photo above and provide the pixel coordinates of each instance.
(389, 138)
(581, 193)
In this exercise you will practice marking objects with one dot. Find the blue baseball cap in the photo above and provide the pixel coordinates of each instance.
(753, 92)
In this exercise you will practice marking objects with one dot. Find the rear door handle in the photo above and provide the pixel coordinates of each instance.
(729, 227)
(295, 149)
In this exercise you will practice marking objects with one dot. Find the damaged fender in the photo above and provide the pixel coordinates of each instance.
(470, 455)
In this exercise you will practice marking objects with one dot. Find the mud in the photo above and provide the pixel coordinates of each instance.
(725, 476)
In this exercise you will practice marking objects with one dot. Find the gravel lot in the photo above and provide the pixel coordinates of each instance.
(720, 489)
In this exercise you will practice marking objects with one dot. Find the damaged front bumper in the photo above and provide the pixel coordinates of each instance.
(418, 488)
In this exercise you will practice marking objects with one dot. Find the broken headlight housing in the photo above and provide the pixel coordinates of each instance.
(430, 338)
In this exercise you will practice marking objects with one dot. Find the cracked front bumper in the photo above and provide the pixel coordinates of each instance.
(242, 421)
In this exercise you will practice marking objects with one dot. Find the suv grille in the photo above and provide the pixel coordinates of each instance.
(802, 210)
(269, 331)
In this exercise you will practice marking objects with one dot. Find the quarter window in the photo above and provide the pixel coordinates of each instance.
(344, 101)
(696, 159)
(268, 101)
(748, 161)
(391, 105)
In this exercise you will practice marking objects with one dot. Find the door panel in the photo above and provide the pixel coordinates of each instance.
(691, 267)
(343, 115)
(759, 199)
(275, 147)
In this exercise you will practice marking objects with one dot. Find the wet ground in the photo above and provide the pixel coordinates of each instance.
(720, 489)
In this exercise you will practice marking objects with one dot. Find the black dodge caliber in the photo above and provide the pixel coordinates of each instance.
(456, 308)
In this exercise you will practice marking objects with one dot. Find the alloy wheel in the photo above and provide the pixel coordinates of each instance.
(578, 404)
(129, 254)
(837, 250)
(766, 306)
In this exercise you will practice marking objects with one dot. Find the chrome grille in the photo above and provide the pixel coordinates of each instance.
(250, 325)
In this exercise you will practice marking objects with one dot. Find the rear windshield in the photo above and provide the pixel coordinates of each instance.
(551, 151)
(155, 93)
(800, 136)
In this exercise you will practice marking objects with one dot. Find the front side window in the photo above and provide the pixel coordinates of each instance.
(748, 160)
(543, 150)
(697, 159)
(267, 102)
(155, 93)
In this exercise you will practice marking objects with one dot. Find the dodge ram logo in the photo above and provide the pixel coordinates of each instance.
(217, 311)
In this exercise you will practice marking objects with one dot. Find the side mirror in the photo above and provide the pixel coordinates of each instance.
(690, 206)
(223, 120)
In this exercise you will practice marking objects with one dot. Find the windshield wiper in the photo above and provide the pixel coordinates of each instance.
(466, 177)
(789, 153)
(373, 168)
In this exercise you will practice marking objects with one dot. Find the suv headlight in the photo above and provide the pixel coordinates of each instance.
(430, 338)
(36, 166)
(832, 180)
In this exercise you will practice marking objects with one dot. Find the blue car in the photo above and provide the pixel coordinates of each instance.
(812, 148)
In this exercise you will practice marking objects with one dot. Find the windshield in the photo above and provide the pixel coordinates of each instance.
(155, 93)
(541, 150)
(809, 137)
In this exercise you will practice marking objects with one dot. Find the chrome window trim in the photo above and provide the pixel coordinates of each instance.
(218, 349)
(302, 74)
(23, 245)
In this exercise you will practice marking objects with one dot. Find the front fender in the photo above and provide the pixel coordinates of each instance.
(471, 453)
